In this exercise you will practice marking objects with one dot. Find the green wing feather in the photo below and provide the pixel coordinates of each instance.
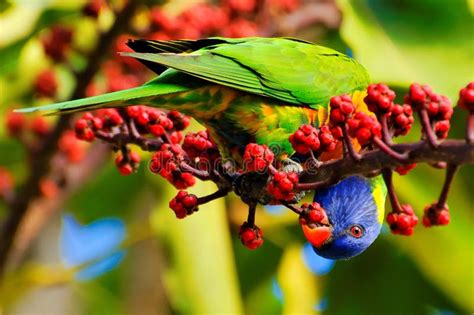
(290, 70)
(139, 95)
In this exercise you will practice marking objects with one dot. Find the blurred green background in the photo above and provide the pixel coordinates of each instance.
(198, 265)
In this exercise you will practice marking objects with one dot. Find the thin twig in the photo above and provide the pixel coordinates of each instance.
(450, 172)
(348, 144)
(216, 195)
(470, 128)
(427, 129)
(251, 215)
(387, 177)
(402, 157)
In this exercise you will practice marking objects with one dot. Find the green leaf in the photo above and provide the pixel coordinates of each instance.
(400, 42)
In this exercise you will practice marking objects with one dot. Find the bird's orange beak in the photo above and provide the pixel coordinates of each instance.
(317, 235)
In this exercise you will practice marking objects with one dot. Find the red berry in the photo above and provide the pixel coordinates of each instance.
(251, 236)
(403, 222)
(57, 42)
(326, 139)
(313, 212)
(127, 167)
(244, 6)
(441, 128)
(196, 144)
(107, 118)
(40, 126)
(379, 98)
(305, 139)
(418, 95)
(180, 121)
(156, 130)
(176, 137)
(364, 128)
(6, 183)
(46, 84)
(93, 8)
(436, 215)
(466, 97)
(342, 109)
(401, 119)
(405, 169)
(161, 21)
(183, 204)
(84, 128)
(281, 185)
(15, 123)
(257, 158)
(240, 27)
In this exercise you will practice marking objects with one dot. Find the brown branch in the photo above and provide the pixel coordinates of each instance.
(40, 163)
(456, 152)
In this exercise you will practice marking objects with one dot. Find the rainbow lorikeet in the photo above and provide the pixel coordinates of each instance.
(259, 90)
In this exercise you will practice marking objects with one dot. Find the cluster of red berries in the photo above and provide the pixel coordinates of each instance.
(46, 84)
(18, 126)
(57, 41)
(435, 214)
(147, 122)
(312, 213)
(364, 128)
(166, 162)
(198, 144)
(342, 109)
(251, 236)
(438, 107)
(184, 204)
(402, 222)
(310, 139)
(282, 185)
(305, 139)
(93, 8)
(128, 163)
(466, 97)
(30, 132)
(401, 119)
(257, 158)
(379, 98)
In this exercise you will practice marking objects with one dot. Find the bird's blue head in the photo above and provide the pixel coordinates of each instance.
(354, 208)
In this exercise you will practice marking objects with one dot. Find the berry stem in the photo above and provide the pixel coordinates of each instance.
(427, 129)
(251, 215)
(450, 172)
(348, 144)
(387, 138)
(125, 154)
(470, 128)
(385, 148)
(202, 175)
(312, 185)
(216, 195)
(130, 124)
(293, 208)
(388, 178)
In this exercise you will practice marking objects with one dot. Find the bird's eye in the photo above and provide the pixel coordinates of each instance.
(357, 231)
